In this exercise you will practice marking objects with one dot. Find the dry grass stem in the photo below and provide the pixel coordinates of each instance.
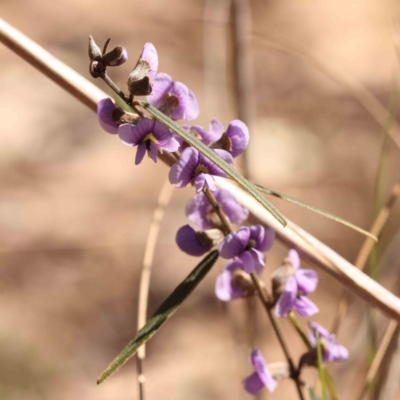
(391, 332)
(365, 251)
(144, 286)
(310, 248)
(49, 65)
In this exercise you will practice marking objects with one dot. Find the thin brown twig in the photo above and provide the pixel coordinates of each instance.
(144, 286)
(365, 251)
(391, 332)
(294, 237)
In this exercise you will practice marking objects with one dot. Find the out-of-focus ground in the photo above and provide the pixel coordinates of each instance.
(75, 211)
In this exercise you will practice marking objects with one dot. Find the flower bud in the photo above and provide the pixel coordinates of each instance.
(117, 56)
(94, 50)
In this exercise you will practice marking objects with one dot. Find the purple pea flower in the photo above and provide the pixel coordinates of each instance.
(200, 212)
(228, 286)
(261, 376)
(249, 245)
(193, 167)
(105, 108)
(197, 243)
(234, 140)
(148, 134)
(331, 351)
(174, 99)
(297, 287)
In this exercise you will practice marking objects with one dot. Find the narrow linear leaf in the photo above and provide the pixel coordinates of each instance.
(316, 210)
(321, 368)
(164, 312)
(212, 156)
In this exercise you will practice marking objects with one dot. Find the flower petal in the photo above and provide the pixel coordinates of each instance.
(294, 258)
(200, 181)
(225, 288)
(253, 384)
(162, 85)
(215, 130)
(234, 243)
(182, 172)
(140, 152)
(259, 260)
(149, 53)
(287, 299)
(248, 261)
(307, 280)
(187, 241)
(153, 151)
(197, 210)
(238, 133)
(262, 370)
(132, 135)
(305, 307)
(188, 108)
(104, 114)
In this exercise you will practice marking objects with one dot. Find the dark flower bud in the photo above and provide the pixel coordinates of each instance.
(139, 83)
(94, 50)
(141, 87)
(117, 56)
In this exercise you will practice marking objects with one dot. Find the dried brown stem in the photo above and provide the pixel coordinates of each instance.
(391, 332)
(365, 251)
(144, 286)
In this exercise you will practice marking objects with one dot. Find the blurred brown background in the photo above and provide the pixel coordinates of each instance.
(75, 211)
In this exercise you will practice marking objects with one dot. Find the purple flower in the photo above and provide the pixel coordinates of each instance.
(227, 286)
(140, 81)
(261, 377)
(149, 135)
(249, 245)
(193, 167)
(234, 140)
(297, 287)
(105, 108)
(200, 212)
(174, 99)
(331, 351)
(149, 54)
(192, 242)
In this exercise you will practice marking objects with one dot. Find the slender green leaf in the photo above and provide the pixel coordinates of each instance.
(312, 393)
(315, 209)
(212, 156)
(321, 368)
(165, 311)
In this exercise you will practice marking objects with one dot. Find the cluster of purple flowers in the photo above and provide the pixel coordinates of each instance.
(244, 248)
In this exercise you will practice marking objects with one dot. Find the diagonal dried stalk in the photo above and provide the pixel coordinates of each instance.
(312, 249)
(365, 251)
(144, 286)
(392, 331)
